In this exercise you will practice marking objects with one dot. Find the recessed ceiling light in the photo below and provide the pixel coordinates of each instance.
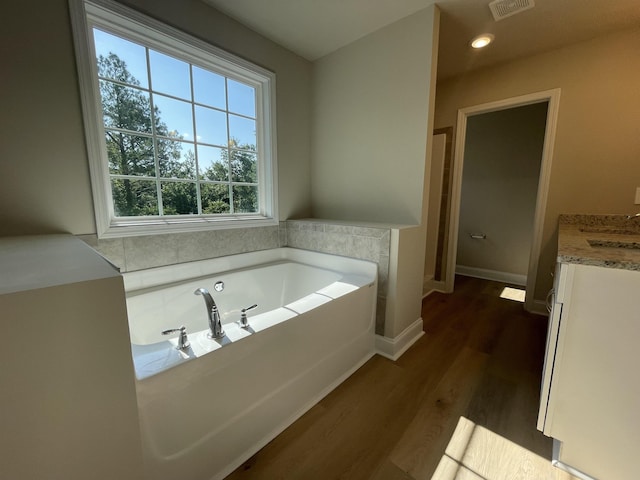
(482, 41)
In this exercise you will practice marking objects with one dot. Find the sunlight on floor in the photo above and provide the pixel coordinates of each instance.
(475, 453)
(515, 294)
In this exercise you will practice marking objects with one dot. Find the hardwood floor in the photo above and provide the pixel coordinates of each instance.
(460, 404)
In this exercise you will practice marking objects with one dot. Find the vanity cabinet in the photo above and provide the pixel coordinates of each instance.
(590, 398)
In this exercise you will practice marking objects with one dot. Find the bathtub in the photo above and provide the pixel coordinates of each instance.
(206, 409)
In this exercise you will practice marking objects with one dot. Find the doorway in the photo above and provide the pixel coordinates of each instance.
(551, 98)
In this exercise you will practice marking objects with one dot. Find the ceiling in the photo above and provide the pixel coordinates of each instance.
(314, 28)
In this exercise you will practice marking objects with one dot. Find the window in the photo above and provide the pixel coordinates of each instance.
(180, 134)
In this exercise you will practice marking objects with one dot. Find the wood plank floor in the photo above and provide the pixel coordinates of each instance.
(460, 404)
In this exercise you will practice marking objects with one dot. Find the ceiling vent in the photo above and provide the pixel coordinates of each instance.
(505, 8)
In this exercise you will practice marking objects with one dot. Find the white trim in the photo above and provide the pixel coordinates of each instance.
(115, 17)
(553, 99)
(167, 224)
(434, 286)
(539, 307)
(393, 348)
(556, 462)
(494, 275)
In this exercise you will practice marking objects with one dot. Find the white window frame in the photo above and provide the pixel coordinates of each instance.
(85, 14)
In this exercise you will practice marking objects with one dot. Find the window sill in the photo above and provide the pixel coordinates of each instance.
(158, 226)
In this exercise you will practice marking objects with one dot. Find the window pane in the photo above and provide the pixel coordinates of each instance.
(121, 59)
(173, 117)
(208, 88)
(130, 154)
(169, 75)
(242, 98)
(245, 199)
(177, 125)
(134, 198)
(176, 159)
(211, 126)
(179, 198)
(242, 132)
(215, 198)
(244, 166)
(213, 163)
(124, 107)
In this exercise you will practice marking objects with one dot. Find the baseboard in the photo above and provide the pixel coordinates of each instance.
(393, 348)
(505, 277)
(433, 286)
(556, 462)
(539, 307)
(425, 294)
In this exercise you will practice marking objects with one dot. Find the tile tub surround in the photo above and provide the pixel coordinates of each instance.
(357, 240)
(139, 253)
(599, 240)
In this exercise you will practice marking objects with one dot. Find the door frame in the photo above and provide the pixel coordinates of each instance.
(553, 99)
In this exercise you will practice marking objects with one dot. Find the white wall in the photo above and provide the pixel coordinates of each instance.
(502, 156)
(595, 165)
(68, 406)
(372, 121)
(45, 185)
(406, 268)
(369, 129)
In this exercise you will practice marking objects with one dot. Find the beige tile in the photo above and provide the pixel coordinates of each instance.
(365, 248)
(150, 251)
(369, 232)
(282, 234)
(111, 249)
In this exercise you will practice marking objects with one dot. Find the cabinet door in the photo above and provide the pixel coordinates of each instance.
(549, 363)
(595, 387)
(561, 286)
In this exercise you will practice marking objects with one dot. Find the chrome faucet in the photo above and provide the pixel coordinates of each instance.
(629, 217)
(215, 325)
(183, 340)
(244, 322)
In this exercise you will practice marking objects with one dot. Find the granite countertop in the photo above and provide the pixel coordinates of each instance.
(611, 241)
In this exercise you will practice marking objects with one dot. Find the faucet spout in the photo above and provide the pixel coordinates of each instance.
(215, 323)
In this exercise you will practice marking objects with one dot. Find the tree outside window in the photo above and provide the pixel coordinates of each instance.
(154, 169)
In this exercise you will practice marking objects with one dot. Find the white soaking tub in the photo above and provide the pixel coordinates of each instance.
(207, 408)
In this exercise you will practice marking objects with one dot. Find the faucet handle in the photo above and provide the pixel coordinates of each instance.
(243, 316)
(183, 341)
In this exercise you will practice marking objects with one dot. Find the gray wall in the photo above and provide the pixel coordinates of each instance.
(371, 105)
(502, 156)
(45, 185)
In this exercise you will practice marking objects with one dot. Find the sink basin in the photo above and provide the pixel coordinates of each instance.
(614, 244)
